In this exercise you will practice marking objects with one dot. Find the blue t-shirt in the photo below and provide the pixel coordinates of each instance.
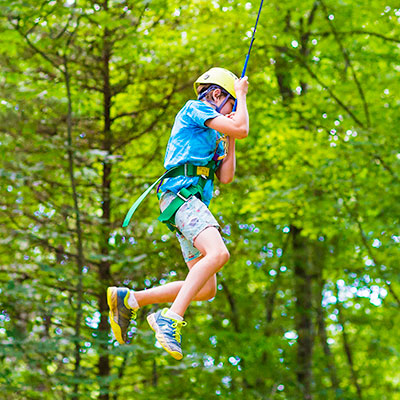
(192, 142)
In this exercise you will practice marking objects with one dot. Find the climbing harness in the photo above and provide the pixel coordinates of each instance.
(224, 79)
(204, 173)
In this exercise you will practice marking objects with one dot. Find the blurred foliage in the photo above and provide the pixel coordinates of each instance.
(308, 304)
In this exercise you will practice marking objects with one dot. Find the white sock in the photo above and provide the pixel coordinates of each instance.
(132, 300)
(173, 315)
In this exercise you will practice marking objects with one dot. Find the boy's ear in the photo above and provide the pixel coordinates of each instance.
(216, 94)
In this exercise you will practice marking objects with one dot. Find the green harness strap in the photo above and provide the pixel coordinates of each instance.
(205, 172)
(168, 215)
(136, 204)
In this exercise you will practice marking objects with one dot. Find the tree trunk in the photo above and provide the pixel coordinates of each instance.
(320, 311)
(348, 352)
(304, 312)
(104, 269)
(79, 240)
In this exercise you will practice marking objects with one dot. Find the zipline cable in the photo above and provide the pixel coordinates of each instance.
(250, 47)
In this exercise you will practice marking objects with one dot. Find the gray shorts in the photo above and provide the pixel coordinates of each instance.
(191, 219)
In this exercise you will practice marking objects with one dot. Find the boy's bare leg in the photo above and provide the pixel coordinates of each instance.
(168, 292)
(215, 255)
(121, 313)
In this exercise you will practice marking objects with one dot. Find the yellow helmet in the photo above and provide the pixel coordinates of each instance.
(218, 76)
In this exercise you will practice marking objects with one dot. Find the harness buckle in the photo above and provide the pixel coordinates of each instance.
(183, 197)
(204, 171)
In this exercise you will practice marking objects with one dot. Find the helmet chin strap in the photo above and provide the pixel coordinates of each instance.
(219, 108)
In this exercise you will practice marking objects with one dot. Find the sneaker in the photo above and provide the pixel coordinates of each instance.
(168, 332)
(121, 313)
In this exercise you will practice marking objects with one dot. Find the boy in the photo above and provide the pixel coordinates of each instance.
(196, 150)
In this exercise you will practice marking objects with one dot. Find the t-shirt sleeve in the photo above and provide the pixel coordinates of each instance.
(201, 112)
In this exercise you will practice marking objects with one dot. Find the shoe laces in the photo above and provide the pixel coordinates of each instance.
(133, 314)
(177, 325)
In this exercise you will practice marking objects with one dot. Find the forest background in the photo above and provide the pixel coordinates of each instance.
(308, 305)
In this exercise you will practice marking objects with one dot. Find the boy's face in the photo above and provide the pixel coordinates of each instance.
(228, 107)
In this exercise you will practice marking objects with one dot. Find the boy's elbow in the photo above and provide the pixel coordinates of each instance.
(226, 180)
(226, 177)
(243, 133)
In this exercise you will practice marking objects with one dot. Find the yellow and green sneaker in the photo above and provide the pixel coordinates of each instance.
(121, 314)
(168, 332)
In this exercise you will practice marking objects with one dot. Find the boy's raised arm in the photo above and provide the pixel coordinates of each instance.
(237, 125)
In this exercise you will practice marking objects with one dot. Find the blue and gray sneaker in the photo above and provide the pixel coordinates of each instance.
(168, 332)
(121, 313)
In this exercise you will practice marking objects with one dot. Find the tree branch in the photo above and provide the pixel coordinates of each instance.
(36, 49)
(358, 32)
(348, 62)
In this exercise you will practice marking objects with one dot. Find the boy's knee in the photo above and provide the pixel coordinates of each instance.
(208, 292)
(208, 295)
(222, 256)
(226, 255)
(211, 293)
